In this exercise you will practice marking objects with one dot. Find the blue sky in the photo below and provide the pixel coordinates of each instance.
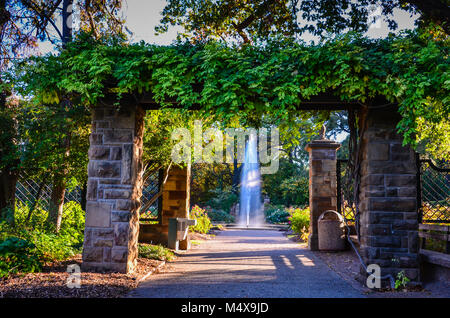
(143, 15)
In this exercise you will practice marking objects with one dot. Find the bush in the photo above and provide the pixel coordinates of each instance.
(295, 191)
(18, 255)
(276, 214)
(203, 221)
(31, 244)
(222, 199)
(220, 216)
(157, 252)
(299, 219)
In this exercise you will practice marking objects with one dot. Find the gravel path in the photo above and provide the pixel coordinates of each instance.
(247, 263)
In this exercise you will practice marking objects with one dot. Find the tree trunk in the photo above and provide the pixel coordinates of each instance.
(8, 172)
(8, 180)
(56, 203)
(236, 179)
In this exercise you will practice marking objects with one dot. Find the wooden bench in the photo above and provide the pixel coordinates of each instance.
(437, 232)
(442, 234)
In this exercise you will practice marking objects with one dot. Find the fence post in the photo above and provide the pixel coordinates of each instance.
(419, 189)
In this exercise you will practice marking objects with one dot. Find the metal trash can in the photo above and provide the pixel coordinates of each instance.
(178, 230)
(331, 232)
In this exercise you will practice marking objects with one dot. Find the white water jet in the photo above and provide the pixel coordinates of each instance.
(250, 211)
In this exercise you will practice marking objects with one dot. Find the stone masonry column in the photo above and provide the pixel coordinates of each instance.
(176, 194)
(322, 183)
(176, 198)
(114, 189)
(388, 204)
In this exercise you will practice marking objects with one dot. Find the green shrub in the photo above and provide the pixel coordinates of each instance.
(18, 255)
(157, 252)
(299, 219)
(203, 221)
(220, 216)
(222, 199)
(36, 242)
(276, 214)
(295, 191)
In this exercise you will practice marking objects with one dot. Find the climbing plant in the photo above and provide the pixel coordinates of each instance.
(221, 79)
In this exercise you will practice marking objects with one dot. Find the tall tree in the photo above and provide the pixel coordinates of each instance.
(22, 24)
(244, 20)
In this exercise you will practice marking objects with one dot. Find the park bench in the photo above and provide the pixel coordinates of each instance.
(436, 232)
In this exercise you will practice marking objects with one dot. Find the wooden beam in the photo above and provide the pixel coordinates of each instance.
(322, 101)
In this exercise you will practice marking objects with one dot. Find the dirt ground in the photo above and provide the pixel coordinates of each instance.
(346, 264)
(51, 283)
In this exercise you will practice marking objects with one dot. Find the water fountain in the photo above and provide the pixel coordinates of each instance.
(251, 210)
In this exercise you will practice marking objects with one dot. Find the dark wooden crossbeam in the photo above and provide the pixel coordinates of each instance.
(323, 101)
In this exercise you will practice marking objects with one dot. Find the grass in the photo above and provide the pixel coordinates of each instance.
(157, 252)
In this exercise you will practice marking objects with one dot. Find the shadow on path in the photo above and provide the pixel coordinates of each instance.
(247, 263)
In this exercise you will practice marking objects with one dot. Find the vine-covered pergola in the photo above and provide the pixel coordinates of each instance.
(389, 86)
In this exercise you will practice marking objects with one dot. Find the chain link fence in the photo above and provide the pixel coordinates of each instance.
(345, 196)
(32, 194)
(434, 193)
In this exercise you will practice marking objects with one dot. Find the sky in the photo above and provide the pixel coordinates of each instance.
(143, 15)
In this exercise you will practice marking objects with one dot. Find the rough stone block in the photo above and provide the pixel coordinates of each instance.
(120, 216)
(117, 194)
(103, 242)
(121, 233)
(119, 254)
(124, 205)
(96, 139)
(392, 204)
(98, 214)
(98, 153)
(407, 192)
(127, 163)
(116, 153)
(117, 136)
(91, 190)
(413, 242)
(400, 180)
(107, 254)
(104, 169)
(92, 254)
(104, 233)
(385, 241)
(378, 151)
(372, 179)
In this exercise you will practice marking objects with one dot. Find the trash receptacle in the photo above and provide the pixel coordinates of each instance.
(331, 231)
(178, 231)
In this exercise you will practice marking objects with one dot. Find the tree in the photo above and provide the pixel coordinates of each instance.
(23, 23)
(246, 20)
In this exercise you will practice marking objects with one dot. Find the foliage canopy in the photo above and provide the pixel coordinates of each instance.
(411, 69)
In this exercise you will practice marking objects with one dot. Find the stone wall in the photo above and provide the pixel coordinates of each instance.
(322, 184)
(389, 220)
(176, 194)
(175, 204)
(114, 189)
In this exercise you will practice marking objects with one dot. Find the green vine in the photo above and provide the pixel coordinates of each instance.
(411, 69)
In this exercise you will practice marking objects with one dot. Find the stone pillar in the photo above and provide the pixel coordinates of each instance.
(322, 184)
(176, 194)
(114, 189)
(176, 198)
(388, 204)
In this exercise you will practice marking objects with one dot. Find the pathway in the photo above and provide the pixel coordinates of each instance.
(247, 263)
